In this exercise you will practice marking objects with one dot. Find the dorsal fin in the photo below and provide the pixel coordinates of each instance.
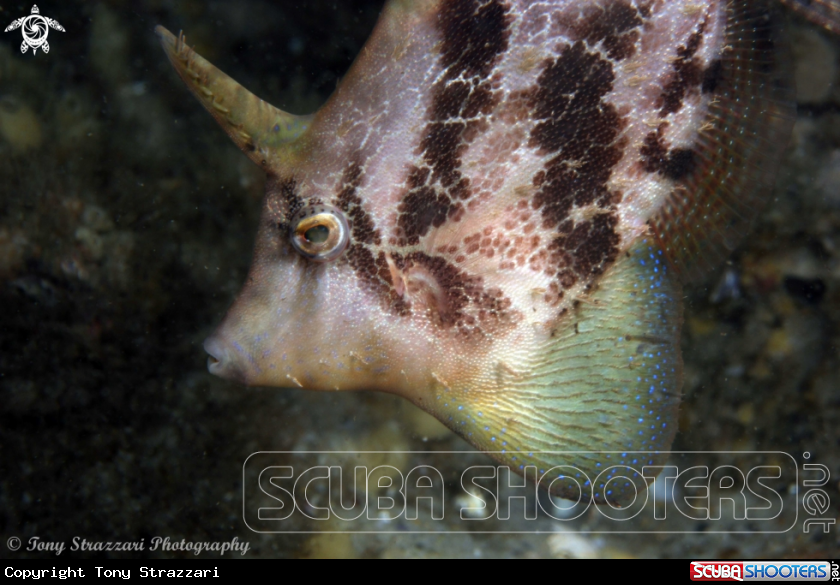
(739, 146)
(257, 127)
(825, 13)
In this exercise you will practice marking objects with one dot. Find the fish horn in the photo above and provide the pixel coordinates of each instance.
(257, 127)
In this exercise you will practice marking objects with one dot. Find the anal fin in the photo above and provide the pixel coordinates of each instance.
(602, 396)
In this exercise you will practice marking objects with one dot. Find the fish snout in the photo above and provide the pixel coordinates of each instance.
(221, 360)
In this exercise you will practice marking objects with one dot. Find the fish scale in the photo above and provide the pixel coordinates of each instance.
(494, 213)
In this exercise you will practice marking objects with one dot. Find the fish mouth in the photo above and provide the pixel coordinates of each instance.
(221, 361)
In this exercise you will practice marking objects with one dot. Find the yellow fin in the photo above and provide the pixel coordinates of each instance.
(602, 397)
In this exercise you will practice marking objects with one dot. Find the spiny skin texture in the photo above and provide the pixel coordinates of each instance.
(513, 175)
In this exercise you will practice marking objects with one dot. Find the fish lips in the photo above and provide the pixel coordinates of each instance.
(221, 360)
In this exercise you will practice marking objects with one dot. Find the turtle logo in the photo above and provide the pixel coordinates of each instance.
(35, 29)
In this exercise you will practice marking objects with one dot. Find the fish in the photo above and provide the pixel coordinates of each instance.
(824, 13)
(495, 213)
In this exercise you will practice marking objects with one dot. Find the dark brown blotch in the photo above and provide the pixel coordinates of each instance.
(675, 164)
(375, 277)
(473, 35)
(462, 302)
(598, 245)
(711, 76)
(442, 146)
(420, 210)
(285, 190)
(687, 75)
(614, 25)
(578, 124)
(362, 225)
(575, 121)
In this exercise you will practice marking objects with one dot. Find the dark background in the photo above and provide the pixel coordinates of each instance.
(126, 225)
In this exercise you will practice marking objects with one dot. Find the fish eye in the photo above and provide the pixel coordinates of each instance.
(320, 233)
